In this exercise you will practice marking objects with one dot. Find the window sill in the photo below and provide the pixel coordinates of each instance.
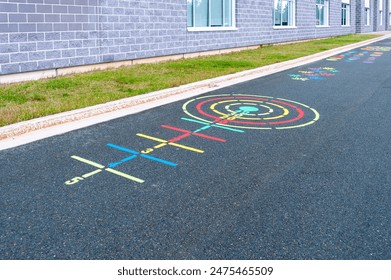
(196, 29)
(285, 27)
(322, 26)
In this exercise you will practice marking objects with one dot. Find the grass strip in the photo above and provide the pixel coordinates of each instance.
(28, 100)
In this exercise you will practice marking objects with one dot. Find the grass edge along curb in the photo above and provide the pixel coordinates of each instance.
(69, 116)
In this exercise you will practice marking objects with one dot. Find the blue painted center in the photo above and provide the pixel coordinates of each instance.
(248, 109)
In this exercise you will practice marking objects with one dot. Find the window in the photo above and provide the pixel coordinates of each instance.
(389, 12)
(284, 13)
(345, 18)
(210, 13)
(367, 12)
(380, 12)
(322, 12)
(367, 16)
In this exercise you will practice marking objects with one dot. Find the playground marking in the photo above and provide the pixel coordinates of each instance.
(230, 112)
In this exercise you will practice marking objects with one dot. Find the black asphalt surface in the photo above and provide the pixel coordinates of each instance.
(321, 190)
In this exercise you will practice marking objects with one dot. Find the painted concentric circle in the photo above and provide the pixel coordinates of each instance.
(250, 111)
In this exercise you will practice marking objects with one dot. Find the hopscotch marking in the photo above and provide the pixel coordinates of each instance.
(100, 169)
(367, 55)
(167, 142)
(134, 155)
(315, 74)
(231, 112)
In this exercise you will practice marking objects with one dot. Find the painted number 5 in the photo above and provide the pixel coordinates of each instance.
(74, 180)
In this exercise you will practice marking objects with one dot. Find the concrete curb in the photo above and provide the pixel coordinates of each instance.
(58, 72)
(104, 112)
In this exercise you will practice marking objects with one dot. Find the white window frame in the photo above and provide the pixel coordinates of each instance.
(389, 12)
(367, 17)
(214, 28)
(345, 6)
(291, 23)
(367, 11)
(326, 12)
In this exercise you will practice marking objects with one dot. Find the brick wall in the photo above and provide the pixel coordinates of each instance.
(49, 34)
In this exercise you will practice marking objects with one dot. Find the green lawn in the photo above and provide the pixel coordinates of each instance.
(24, 101)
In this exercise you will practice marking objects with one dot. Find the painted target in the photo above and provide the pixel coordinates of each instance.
(250, 111)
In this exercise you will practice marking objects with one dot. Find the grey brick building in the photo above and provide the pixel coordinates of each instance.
(53, 34)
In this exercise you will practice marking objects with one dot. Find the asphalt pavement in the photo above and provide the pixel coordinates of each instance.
(294, 165)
